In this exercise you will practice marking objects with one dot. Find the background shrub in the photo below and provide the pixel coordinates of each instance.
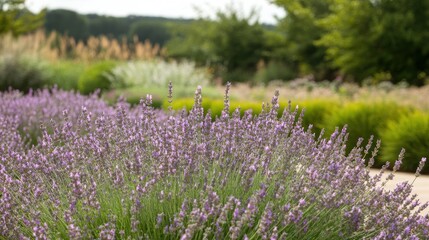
(411, 133)
(274, 71)
(215, 106)
(21, 73)
(316, 112)
(65, 74)
(244, 106)
(95, 77)
(184, 103)
(364, 119)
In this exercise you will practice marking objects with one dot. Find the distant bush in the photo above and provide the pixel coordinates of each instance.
(21, 74)
(274, 71)
(184, 103)
(316, 112)
(411, 133)
(244, 106)
(95, 77)
(65, 74)
(364, 119)
(215, 106)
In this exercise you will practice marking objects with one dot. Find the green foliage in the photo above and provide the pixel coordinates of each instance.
(15, 18)
(274, 71)
(67, 22)
(238, 42)
(95, 77)
(316, 111)
(302, 31)
(364, 38)
(107, 26)
(245, 106)
(65, 74)
(364, 119)
(21, 73)
(81, 26)
(410, 133)
(190, 41)
(360, 38)
(184, 103)
(154, 31)
(215, 106)
(232, 41)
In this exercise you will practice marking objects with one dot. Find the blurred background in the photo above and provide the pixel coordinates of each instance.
(364, 63)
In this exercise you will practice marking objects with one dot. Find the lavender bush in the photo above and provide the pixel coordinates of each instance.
(100, 172)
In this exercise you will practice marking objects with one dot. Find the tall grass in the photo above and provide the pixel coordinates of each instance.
(54, 47)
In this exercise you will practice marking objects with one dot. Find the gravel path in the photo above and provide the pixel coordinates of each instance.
(420, 185)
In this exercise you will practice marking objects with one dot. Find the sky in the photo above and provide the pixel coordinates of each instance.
(165, 8)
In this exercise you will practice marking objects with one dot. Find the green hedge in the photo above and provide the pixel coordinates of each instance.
(65, 74)
(95, 77)
(215, 106)
(411, 133)
(316, 112)
(365, 119)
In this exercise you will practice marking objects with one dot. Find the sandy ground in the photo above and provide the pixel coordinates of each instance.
(420, 185)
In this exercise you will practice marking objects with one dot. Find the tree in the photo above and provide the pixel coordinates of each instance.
(237, 43)
(301, 29)
(367, 37)
(17, 19)
(232, 41)
(190, 41)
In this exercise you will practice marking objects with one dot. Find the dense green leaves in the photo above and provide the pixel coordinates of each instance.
(154, 31)
(365, 119)
(410, 133)
(15, 18)
(365, 41)
(364, 38)
(79, 26)
(302, 31)
(360, 38)
(233, 41)
(96, 77)
(108, 26)
(67, 22)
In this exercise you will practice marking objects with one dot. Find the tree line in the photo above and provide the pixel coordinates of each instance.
(80, 27)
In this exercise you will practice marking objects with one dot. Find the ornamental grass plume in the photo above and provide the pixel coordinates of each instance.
(115, 172)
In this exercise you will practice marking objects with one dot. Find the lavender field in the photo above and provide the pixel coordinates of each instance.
(73, 167)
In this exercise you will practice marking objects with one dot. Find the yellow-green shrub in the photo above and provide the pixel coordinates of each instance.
(95, 77)
(316, 111)
(412, 133)
(179, 104)
(364, 119)
(215, 106)
(65, 74)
